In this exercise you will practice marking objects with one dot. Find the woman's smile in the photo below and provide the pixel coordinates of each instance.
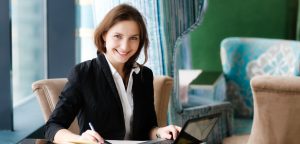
(121, 52)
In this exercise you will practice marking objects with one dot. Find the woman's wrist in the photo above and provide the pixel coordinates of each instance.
(154, 133)
(157, 134)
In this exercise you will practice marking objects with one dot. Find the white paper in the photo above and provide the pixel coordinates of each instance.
(186, 76)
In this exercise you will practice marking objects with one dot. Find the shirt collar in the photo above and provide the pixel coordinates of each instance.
(136, 69)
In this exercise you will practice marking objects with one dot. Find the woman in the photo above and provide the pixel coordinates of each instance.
(112, 91)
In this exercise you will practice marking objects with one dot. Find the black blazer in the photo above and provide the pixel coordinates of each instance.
(91, 95)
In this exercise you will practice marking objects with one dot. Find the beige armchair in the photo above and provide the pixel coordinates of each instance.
(276, 111)
(162, 90)
(48, 90)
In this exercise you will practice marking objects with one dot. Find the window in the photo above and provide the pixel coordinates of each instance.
(89, 14)
(85, 48)
(28, 47)
(28, 53)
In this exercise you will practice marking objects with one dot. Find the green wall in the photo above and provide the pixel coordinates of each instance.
(240, 18)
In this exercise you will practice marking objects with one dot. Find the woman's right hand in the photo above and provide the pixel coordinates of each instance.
(92, 136)
(168, 132)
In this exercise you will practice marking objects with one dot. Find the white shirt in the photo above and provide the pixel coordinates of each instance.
(125, 95)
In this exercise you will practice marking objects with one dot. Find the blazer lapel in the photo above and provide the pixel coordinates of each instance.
(101, 61)
(135, 86)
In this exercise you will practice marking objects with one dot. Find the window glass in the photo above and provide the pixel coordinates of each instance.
(28, 47)
(85, 48)
(89, 14)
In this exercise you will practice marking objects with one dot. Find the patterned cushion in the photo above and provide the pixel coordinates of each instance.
(243, 58)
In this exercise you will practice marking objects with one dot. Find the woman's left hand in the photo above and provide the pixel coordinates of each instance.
(168, 132)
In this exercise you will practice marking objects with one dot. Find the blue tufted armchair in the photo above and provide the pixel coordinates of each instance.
(244, 58)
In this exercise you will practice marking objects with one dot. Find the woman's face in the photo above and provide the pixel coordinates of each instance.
(122, 41)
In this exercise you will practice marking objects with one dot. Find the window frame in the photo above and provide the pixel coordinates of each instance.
(60, 58)
(6, 107)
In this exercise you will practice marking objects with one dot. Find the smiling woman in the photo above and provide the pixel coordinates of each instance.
(91, 13)
(109, 35)
(112, 91)
(121, 42)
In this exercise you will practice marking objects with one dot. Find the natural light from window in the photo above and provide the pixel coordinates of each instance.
(28, 47)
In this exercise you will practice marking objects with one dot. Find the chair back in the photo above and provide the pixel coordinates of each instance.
(49, 90)
(162, 90)
(243, 58)
(276, 110)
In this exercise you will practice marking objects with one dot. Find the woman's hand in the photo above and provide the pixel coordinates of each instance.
(92, 136)
(168, 132)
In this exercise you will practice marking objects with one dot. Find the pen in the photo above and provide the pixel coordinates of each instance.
(91, 126)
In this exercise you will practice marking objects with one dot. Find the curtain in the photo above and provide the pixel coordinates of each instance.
(167, 21)
(90, 13)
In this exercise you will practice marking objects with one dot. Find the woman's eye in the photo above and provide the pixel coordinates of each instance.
(117, 36)
(133, 38)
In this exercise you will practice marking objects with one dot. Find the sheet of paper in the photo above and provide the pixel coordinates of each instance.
(124, 142)
(80, 141)
(186, 76)
(111, 141)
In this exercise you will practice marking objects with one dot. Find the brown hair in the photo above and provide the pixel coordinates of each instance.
(119, 13)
